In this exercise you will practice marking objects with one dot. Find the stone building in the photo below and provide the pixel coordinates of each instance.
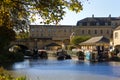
(116, 37)
(46, 34)
(98, 26)
(90, 26)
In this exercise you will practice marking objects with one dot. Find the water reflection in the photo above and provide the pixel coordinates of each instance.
(69, 67)
(21, 65)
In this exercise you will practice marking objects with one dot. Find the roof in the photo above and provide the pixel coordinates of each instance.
(96, 41)
(52, 26)
(118, 28)
(100, 20)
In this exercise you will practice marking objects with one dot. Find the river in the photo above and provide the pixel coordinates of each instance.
(65, 70)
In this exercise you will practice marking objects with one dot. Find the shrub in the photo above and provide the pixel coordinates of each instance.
(4, 75)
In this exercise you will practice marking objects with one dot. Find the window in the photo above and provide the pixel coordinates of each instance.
(102, 23)
(97, 24)
(49, 30)
(109, 23)
(107, 32)
(95, 31)
(80, 24)
(116, 35)
(89, 32)
(88, 24)
(84, 24)
(92, 23)
(106, 24)
(32, 29)
(101, 31)
(65, 30)
(82, 31)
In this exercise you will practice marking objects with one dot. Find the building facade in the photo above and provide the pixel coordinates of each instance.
(90, 26)
(116, 37)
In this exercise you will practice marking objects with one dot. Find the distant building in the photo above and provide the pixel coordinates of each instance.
(116, 37)
(91, 43)
(54, 32)
(90, 26)
(99, 26)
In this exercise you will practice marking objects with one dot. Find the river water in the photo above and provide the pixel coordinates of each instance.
(65, 70)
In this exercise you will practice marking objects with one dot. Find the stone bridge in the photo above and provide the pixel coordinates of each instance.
(34, 43)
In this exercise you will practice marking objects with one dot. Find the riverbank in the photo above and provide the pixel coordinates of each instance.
(60, 75)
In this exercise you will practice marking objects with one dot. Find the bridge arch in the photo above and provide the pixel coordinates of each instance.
(22, 47)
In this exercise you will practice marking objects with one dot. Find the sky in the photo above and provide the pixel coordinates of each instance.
(98, 8)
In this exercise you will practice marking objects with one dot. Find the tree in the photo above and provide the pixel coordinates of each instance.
(6, 35)
(17, 14)
(78, 39)
(22, 35)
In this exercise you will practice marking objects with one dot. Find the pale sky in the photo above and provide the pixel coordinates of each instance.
(100, 8)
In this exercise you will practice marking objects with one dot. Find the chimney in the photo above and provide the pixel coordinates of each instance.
(92, 15)
(109, 15)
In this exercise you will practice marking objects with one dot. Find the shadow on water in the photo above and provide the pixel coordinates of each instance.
(102, 68)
